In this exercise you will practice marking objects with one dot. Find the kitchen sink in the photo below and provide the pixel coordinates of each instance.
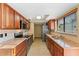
(62, 43)
(60, 40)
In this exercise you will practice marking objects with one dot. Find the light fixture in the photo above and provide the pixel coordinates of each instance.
(38, 17)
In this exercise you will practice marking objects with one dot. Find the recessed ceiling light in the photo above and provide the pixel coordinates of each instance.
(38, 17)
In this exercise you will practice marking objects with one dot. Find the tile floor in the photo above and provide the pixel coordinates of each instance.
(38, 48)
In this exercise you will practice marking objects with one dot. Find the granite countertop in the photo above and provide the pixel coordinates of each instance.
(11, 43)
(64, 43)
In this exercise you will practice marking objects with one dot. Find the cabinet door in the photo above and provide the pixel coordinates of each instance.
(47, 42)
(8, 17)
(58, 51)
(28, 25)
(51, 24)
(52, 48)
(4, 15)
(10, 21)
(21, 49)
(17, 21)
(0, 16)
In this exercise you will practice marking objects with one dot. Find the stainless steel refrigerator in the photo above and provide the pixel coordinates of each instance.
(44, 31)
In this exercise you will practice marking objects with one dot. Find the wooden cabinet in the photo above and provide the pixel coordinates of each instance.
(28, 25)
(58, 51)
(24, 24)
(19, 49)
(10, 18)
(48, 43)
(17, 21)
(29, 41)
(7, 17)
(50, 46)
(4, 15)
(51, 24)
(0, 16)
(54, 48)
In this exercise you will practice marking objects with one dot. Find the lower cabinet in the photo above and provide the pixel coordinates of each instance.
(54, 48)
(21, 49)
(29, 42)
(15, 50)
(58, 51)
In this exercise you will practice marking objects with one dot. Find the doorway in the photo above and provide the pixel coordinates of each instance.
(37, 30)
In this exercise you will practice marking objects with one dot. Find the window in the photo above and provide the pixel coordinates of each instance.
(67, 24)
(61, 25)
(70, 23)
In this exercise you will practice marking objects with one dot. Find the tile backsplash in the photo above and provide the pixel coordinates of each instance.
(7, 34)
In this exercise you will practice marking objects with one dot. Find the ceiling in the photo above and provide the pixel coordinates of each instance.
(31, 10)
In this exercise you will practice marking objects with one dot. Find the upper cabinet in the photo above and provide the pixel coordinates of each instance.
(0, 15)
(4, 14)
(17, 21)
(7, 21)
(24, 23)
(51, 24)
(11, 19)
(28, 25)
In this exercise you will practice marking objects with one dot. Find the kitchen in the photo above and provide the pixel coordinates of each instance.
(44, 34)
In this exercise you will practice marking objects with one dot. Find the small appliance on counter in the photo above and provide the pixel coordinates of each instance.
(18, 35)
